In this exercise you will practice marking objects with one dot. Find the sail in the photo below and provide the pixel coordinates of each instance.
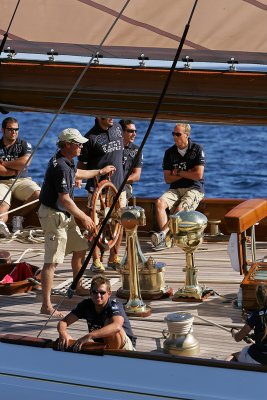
(219, 30)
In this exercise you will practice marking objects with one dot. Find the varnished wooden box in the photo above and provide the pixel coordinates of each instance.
(256, 275)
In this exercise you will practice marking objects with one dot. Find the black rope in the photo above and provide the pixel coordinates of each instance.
(6, 34)
(177, 55)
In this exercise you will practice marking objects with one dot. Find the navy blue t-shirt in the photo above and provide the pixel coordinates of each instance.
(86, 310)
(129, 153)
(258, 351)
(59, 178)
(194, 156)
(11, 153)
(104, 147)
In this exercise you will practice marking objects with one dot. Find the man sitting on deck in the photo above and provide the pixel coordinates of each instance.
(106, 320)
(257, 320)
(183, 166)
(14, 153)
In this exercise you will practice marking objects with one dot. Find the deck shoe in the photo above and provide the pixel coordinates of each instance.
(97, 266)
(157, 238)
(4, 231)
(165, 244)
(113, 265)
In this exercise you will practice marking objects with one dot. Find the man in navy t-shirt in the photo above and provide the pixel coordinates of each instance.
(106, 319)
(103, 147)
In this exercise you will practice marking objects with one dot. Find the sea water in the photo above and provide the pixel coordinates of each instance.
(236, 165)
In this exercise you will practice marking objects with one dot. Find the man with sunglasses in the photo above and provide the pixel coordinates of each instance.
(104, 146)
(14, 153)
(58, 211)
(106, 319)
(129, 153)
(183, 166)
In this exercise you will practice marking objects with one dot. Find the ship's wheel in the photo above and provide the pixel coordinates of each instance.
(102, 200)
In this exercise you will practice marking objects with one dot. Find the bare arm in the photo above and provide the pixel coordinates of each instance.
(69, 205)
(91, 173)
(175, 175)
(62, 326)
(108, 330)
(135, 175)
(240, 335)
(18, 164)
(7, 171)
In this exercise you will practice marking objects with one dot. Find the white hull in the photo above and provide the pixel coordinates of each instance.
(36, 373)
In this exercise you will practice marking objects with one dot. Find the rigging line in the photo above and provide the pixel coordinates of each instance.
(51, 315)
(68, 96)
(155, 113)
(6, 34)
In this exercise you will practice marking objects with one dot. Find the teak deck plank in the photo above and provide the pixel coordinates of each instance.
(20, 313)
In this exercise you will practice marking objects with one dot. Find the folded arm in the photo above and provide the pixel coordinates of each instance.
(175, 175)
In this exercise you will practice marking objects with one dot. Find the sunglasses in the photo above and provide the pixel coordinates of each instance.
(80, 145)
(131, 130)
(176, 134)
(101, 292)
(12, 129)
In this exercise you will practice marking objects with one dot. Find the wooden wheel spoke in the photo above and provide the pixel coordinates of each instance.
(101, 203)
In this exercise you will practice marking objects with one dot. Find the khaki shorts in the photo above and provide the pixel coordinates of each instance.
(22, 189)
(62, 235)
(183, 196)
(128, 345)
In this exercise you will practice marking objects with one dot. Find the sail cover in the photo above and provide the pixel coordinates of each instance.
(219, 30)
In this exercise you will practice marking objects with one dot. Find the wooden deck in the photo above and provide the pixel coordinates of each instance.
(20, 313)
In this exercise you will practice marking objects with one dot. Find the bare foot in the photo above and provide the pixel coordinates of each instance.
(52, 312)
(81, 291)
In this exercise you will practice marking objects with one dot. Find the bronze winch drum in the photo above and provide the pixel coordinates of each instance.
(179, 338)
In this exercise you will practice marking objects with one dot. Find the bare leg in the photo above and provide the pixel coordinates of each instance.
(47, 277)
(116, 341)
(115, 249)
(27, 210)
(76, 263)
(161, 215)
(4, 207)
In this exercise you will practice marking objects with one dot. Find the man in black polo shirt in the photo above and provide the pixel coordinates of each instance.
(183, 166)
(104, 146)
(106, 319)
(58, 211)
(129, 153)
(14, 153)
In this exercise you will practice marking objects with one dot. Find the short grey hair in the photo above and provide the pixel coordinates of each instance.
(185, 125)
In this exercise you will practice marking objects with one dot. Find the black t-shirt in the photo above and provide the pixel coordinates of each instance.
(17, 150)
(59, 178)
(104, 147)
(86, 310)
(129, 153)
(194, 156)
(258, 351)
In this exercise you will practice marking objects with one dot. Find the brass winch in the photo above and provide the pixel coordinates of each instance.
(187, 228)
(131, 218)
(150, 273)
(179, 337)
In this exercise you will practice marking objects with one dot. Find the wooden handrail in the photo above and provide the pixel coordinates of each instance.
(241, 218)
(245, 215)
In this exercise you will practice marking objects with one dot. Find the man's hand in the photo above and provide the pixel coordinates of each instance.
(78, 344)
(109, 169)
(78, 183)
(63, 341)
(233, 332)
(88, 224)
